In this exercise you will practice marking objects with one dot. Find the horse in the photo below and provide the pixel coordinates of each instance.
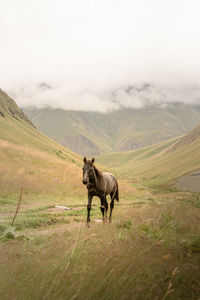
(99, 184)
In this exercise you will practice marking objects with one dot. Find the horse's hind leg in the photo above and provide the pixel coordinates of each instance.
(102, 207)
(111, 208)
(106, 209)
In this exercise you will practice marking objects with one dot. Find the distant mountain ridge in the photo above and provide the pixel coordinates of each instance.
(93, 133)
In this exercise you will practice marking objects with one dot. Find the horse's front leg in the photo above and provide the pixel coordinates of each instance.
(88, 209)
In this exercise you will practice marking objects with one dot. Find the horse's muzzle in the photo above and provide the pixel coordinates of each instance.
(84, 181)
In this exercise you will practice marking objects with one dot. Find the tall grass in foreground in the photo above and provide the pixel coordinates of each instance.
(148, 252)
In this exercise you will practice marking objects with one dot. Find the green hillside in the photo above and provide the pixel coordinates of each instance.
(30, 159)
(159, 163)
(92, 133)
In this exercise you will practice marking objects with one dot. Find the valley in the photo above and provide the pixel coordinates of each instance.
(151, 250)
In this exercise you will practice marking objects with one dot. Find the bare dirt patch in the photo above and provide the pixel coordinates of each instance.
(189, 182)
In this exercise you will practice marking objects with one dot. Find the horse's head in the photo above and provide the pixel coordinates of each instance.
(87, 169)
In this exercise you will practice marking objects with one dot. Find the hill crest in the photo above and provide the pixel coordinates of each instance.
(187, 139)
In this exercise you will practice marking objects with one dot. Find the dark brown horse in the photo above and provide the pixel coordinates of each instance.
(99, 184)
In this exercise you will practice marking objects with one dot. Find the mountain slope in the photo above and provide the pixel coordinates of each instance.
(31, 159)
(75, 130)
(9, 107)
(92, 133)
(160, 163)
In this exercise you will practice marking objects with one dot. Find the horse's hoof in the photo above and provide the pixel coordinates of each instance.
(88, 225)
(110, 220)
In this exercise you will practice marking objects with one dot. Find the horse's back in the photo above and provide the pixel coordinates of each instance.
(109, 176)
(110, 182)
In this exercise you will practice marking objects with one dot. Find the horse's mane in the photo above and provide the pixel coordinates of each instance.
(97, 172)
(99, 177)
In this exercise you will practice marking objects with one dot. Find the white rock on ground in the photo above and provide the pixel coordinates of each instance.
(62, 207)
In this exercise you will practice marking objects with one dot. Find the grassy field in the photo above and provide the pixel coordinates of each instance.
(151, 250)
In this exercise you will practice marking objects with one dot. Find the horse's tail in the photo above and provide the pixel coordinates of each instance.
(117, 192)
(117, 195)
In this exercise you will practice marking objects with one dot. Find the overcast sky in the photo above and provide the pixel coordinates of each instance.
(100, 54)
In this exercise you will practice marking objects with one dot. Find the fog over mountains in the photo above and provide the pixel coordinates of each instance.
(78, 98)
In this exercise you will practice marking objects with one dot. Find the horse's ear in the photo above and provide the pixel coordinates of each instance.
(93, 160)
(84, 160)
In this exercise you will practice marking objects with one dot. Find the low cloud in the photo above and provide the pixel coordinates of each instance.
(76, 97)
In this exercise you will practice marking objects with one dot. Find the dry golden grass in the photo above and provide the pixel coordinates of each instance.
(126, 188)
(37, 171)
